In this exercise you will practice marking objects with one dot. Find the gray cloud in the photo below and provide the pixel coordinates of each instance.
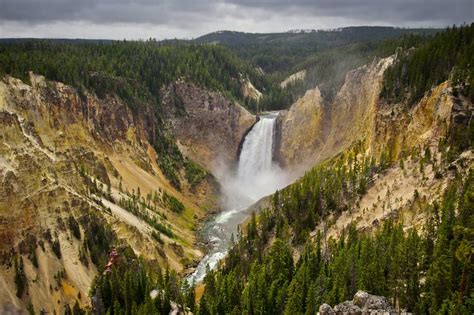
(192, 18)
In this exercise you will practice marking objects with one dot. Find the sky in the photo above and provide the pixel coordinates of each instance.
(166, 19)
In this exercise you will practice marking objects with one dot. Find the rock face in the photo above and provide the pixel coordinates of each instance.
(249, 91)
(424, 123)
(66, 157)
(301, 129)
(206, 124)
(300, 75)
(313, 130)
(354, 107)
(326, 309)
(363, 303)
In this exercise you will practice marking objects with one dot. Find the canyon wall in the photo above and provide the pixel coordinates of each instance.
(75, 167)
(207, 126)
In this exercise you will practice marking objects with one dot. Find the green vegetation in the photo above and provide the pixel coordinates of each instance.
(326, 55)
(56, 246)
(140, 209)
(74, 227)
(135, 71)
(98, 238)
(448, 55)
(173, 203)
(194, 173)
(137, 287)
(390, 262)
(285, 52)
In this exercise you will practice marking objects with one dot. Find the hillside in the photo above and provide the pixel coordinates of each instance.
(324, 55)
(388, 208)
(113, 154)
(102, 162)
(282, 52)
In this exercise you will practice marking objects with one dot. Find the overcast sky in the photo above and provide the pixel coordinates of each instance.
(141, 19)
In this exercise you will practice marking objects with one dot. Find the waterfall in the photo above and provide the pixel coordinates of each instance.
(256, 172)
(256, 154)
(256, 176)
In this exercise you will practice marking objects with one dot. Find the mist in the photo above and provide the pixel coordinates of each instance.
(255, 177)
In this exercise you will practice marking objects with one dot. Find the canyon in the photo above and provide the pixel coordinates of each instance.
(82, 175)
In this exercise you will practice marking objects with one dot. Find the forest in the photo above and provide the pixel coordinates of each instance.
(326, 55)
(425, 272)
(448, 55)
(135, 72)
(260, 276)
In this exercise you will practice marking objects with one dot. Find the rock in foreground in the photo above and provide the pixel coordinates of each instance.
(363, 303)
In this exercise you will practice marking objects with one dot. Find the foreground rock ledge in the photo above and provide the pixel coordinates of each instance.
(363, 303)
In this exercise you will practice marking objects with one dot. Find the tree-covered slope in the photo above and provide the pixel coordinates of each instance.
(134, 71)
(261, 275)
(351, 223)
(282, 52)
(448, 55)
(326, 56)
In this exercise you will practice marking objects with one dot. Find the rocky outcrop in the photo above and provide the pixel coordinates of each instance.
(422, 124)
(354, 107)
(250, 91)
(301, 129)
(363, 303)
(326, 309)
(69, 157)
(300, 75)
(312, 130)
(360, 121)
(208, 127)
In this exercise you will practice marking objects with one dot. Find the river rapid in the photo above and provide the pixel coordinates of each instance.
(256, 176)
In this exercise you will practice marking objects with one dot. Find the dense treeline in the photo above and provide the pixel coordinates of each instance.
(134, 286)
(392, 262)
(135, 72)
(447, 55)
(326, 55)
(285, 52)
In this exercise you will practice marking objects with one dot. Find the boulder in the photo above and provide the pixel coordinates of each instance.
(459, 118)
(360, 298)
(375, 302)
(347, 307)
(362, 303)
(326, 309)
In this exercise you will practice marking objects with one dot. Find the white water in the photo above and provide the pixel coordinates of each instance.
(256, 176)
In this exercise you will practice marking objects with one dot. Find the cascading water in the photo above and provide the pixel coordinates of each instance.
(256, 155)
(256, 177)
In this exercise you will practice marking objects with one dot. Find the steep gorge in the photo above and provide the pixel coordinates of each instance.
(384, 206)
(81, 169)
(73, 167)
(312, 131)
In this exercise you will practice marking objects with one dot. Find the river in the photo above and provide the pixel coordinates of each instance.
(256, 176)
